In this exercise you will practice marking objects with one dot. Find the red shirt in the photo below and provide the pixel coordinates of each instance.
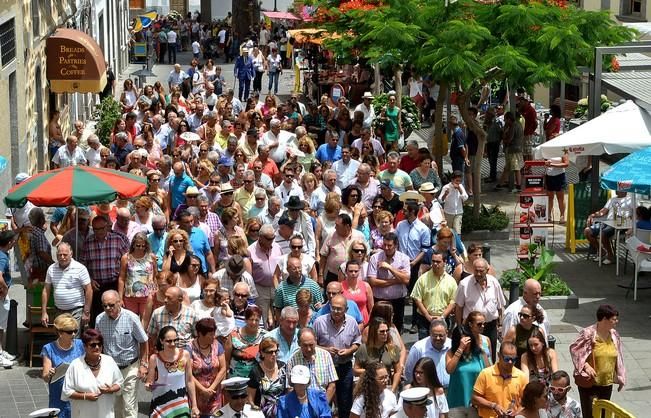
(530, 119)
(407, 164)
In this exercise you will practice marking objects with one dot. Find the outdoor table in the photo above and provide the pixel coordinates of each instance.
(625, 225)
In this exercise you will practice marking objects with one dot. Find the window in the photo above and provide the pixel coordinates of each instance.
(7, 42)
(633, 8)
(36, 21)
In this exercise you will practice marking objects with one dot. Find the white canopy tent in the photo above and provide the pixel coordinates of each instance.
(623, 129)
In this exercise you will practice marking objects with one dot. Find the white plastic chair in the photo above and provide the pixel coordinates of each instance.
(641, 254)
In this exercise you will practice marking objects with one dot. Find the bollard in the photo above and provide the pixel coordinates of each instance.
(514, 290)
(486, 251)
(551, 341)
(11, 345)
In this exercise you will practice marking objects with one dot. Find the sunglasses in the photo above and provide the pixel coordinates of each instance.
(359, 250)
(154, 180)
(240, 295)
(70, 331)
(480, 324)
(523, 315)
(172, 341)
(254, 230)
(296, 247)
(377, 207)
(140, 246)
(271, 352)
(510, 359)
(176, 241)
(95, 345)
(108, 305)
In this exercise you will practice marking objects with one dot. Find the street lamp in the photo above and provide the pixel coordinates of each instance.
(275, 5)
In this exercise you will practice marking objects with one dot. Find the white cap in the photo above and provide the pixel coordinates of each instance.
(21, 177)
(416, 396)
(45, 412)
(300, 374)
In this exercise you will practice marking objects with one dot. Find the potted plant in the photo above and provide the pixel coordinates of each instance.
(106, 114)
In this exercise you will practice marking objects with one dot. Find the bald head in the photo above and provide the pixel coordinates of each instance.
(333, 289)
(532, 292)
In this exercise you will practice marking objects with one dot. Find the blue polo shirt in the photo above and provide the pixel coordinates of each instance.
(352, 310)
(158, 247)
(178, 186)
(413, 237)
(200, 246)
(327, 153)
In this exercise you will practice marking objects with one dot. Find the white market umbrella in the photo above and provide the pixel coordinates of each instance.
(623, 129)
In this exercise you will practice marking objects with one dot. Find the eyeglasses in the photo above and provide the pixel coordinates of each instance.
(203, 150)
(213, 182)
(176, 241)
(337, 309)
(382, 378)
(108, 305)
(377, 207)
(510, 359)
(254, 230)
(240, 295)
(359, 250)
(70, 331)
(95, 345)
(173, 341)
(480, 324)
(557, 389)
(296, 247)
(523, 315)
(271, 352)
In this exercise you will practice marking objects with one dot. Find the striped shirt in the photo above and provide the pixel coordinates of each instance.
(399, 261)
(286, 293)
(227, 282)
(68, 284)
(102, 257)
(183, 322)
(322, 369)
(122, 336)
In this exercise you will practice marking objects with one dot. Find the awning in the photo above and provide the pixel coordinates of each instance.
(75, 63)
(281, 15)
(630, 85)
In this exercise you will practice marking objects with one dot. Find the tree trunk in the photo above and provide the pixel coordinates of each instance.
(437, 148)
(246, 15)
(397, 79)
(377, 89)
(474, 125)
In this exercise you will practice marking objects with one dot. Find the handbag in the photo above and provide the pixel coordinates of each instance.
(581, 379)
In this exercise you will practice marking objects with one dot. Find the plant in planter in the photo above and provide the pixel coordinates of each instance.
(539, 267)
(106, 114)
(491, 219)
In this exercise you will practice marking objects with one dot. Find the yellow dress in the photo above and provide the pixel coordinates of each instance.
(605, 360)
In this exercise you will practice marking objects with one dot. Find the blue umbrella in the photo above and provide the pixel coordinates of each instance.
(630, 174)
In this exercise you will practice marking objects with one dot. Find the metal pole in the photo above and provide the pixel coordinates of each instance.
(594, 110)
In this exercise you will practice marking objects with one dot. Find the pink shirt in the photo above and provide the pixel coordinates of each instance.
(335, 249)
(264, 264)
(359, 297)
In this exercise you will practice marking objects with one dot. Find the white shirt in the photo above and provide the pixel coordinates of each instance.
(317, 201)
(369, 114)
(510, 317)
(196, 47)
(171, 37)
(388, 404)
(222, 36)
(345, 172)
(68, 284)
(621, 205)
(453, 203)
(93, 156)
(64, 158)
(284, 193)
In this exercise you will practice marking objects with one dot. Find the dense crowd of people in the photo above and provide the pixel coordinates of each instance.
(268, 268)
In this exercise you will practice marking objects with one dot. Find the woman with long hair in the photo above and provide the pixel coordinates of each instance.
(384, 310)
(177, 256)
(425, 376)
(463, 362)
(351, 204)
(539, 361)
(475, 252)
(138, 268)
(64, 349)
(325, 223)
(309, 185)
(317, 169)
(306, 146)
(520, 333)
(208, 366)
(156, 193)
(205, 306)
(192, 282)
(120, 125)
(238, 246)
(304, 306)
(144, 214)
(92, 380)
(267, 380)
(355, 253)
(383, 222)
(371, 396)
(379, 347)
(534, 401)
(230, 220)
(453, 256)
(169, 378)
(475, 322)
(129, 96)
(252, 230)
(598, 357)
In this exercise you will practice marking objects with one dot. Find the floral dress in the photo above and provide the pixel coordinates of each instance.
(268, 391)
(205, 370)
(245, 351)
(140, 277)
